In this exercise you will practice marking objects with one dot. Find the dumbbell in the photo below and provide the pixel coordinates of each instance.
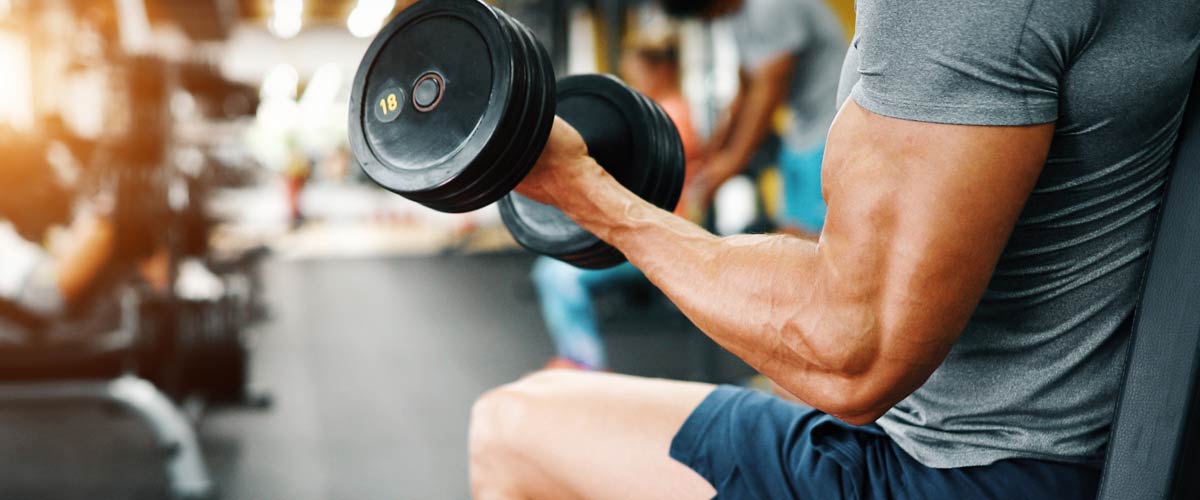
(452, 106)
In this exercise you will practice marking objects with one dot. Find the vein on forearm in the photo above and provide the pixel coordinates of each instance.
(756, 295)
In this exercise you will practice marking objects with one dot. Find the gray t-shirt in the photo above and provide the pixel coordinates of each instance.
(768, 29)
(1035, 374)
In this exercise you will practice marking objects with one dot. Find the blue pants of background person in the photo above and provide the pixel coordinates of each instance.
(566, 295)
(802, 207)
(566, 291)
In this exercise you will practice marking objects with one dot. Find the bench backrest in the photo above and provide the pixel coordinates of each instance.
(1153, 449)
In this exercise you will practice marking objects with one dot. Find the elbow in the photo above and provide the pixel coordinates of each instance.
(850, 351)
(856, 382)
(857, 385)
(866, 418)
(859, 401)
(860, 398)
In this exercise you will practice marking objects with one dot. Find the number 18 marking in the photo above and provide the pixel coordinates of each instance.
(390, 104)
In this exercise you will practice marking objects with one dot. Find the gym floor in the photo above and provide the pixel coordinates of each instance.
(372, 364)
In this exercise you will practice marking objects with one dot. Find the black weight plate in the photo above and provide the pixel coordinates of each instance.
(438, 157)
(658, 188)
(667, 165)
(480, 183)
(629, 136)
(601, 257)
(660, 184)
(545, 90)
(671, 165)
(674, 165)
(526, 136)
(489, 167)
(606, 113)
(457, 40)
(670, 160)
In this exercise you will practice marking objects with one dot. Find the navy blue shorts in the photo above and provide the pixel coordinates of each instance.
(749, 444)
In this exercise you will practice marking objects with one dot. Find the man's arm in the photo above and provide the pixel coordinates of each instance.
(81, 255)
(724, 130)
(918, 216)
(766, 87)
(764, 91)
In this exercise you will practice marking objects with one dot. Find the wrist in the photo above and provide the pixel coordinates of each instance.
(573, 183)
(593, 198)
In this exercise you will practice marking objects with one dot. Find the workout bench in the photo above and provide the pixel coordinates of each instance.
(1152, 452)
(57, 379)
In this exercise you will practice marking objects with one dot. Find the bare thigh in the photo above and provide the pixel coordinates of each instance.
(565, 434)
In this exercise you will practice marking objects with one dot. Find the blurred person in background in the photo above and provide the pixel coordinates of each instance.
(56, 244)
(295, 176)
(790, 52)
(45, 274)
(650, 64)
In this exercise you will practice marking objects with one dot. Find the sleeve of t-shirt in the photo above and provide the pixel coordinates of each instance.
(972, 62)
(768, 29)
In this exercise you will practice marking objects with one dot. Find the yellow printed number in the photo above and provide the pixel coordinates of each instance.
(389, 104)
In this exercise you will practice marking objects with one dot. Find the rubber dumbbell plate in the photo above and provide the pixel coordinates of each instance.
(460, 143)
(623, 136)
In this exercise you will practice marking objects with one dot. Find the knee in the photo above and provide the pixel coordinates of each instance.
(493, 419)
(503, 418)
(491, 416)
(507, 431)
(498, 416)
(495, 440)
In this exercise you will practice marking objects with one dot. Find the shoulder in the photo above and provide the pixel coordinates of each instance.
(976, 62)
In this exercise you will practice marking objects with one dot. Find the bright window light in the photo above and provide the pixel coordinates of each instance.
(280, 83)
(321, 90)
(16, 86)
(368, 16)
(287, 17)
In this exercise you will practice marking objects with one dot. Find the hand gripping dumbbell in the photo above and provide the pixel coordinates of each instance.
(454, 101)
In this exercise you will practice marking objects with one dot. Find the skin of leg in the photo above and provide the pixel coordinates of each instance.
(563, 434)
